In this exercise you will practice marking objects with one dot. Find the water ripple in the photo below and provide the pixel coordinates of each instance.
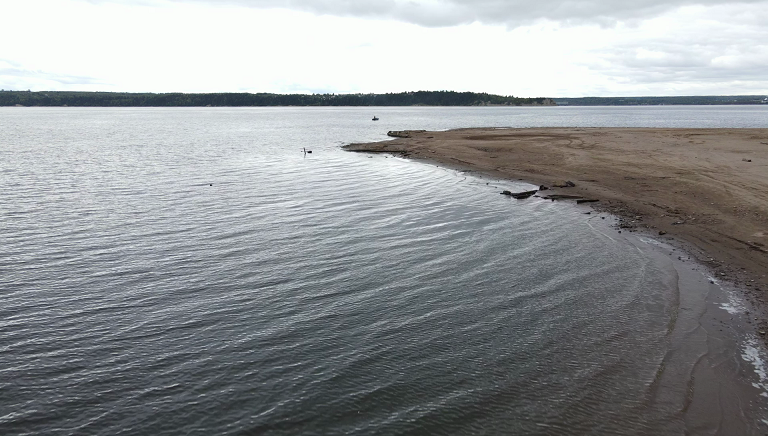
(169, 272)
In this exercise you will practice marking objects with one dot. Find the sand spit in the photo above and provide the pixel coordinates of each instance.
(704, 188)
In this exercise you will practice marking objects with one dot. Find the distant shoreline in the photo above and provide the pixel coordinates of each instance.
(707, 188)
(244, 99)
(418, 98)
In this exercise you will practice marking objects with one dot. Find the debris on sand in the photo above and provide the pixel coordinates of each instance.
(554, 197)
(519, 195)
(403, 133)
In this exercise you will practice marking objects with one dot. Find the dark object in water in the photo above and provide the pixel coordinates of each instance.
(586, 200)
(306, 151)
(554, 197)
(519, 195)
(375, 118)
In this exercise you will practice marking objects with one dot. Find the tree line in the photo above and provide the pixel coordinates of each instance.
(418, 98)
(681, 100)
(117, 99)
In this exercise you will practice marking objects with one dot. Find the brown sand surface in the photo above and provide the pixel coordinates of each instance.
(704, 188)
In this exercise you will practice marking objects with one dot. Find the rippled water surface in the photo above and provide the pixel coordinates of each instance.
(191, 271)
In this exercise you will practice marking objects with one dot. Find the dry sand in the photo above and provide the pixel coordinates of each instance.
(704, 188)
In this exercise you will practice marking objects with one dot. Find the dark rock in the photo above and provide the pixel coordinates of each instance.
(543, 188)
(586, 200)
(570, 184)
(662, 232)
(519, 195)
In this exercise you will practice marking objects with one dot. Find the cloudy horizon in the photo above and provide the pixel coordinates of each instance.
(550, 48)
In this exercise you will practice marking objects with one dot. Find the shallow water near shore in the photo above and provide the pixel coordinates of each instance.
(192, 271)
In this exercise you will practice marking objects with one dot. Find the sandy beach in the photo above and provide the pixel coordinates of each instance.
(706, 189)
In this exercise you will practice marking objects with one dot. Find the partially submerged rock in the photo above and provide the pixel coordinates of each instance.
(519, 195)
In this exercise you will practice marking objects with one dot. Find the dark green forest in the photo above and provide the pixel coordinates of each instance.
(114, 99)
(419, 98)
(641, 101)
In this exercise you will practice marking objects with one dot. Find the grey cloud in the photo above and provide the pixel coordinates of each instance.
(722, 54)
(440, 13)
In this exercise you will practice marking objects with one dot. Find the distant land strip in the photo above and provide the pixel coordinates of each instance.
(418, 98)
(120, 99)
(647, 101)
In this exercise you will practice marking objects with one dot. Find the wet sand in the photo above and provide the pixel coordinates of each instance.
(706, 189)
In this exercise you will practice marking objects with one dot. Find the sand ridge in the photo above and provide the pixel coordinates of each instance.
(706, 187)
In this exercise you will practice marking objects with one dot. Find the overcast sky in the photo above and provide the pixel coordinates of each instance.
(528, 48)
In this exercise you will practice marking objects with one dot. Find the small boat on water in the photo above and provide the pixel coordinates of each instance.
(375, 118)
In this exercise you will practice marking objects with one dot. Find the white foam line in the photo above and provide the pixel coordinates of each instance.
(734, 305)
(651, 241)
(732, 308)
(599, 232)
(752, 353)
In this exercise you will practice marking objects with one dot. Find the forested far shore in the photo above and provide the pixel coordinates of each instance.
(125, 99)
(679, 100)
(418, 98)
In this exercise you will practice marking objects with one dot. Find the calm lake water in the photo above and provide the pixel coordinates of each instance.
(191, 271)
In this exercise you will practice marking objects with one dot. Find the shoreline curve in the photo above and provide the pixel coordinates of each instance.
(704, 189)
